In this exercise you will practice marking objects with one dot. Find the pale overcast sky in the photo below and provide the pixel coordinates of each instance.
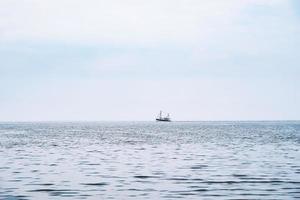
(128, 59)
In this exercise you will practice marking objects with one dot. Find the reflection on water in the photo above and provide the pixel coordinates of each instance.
(148, 160)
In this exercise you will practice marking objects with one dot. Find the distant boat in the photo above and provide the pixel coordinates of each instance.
(162, 118)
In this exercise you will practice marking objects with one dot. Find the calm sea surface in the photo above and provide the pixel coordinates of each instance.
(149, 160)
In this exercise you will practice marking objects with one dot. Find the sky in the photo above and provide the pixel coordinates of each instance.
(95, 60)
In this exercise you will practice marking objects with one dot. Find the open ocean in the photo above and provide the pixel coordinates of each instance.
(150, 160)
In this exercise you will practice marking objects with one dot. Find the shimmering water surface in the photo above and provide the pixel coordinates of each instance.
(149, 160)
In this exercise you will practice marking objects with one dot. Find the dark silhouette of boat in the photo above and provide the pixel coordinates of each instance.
(162, 118)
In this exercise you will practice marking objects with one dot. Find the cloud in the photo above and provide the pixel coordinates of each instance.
(118, 21)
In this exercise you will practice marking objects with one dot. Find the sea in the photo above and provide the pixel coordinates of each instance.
(150, 160)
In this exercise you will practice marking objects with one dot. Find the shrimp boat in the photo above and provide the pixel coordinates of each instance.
(162, 118)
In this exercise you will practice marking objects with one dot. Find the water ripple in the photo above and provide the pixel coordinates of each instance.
(145, 160)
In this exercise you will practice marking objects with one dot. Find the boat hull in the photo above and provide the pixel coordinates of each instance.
(163, 120)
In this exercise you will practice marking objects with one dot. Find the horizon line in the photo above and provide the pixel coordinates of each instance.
(80, 121)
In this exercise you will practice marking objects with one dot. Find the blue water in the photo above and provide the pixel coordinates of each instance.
(150, 160)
